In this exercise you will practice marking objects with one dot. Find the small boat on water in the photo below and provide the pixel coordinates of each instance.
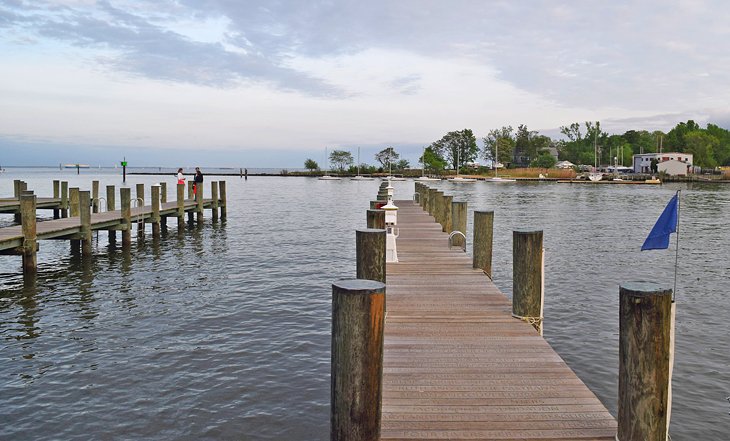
(360, 177)
(459, 179)
(76, 166)
(327, 177)
(498, 179)
(426, 178)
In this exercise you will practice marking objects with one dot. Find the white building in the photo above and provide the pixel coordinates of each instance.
(675, 164)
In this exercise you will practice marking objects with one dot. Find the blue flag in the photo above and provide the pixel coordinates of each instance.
(658, 238)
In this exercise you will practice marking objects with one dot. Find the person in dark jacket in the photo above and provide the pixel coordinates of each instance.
(198, 180)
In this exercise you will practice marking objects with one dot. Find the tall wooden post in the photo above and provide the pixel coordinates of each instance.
(432, 201)
(74, 212)
(64, 199)
(18, 188)
(458, 221)
(222, 202)
(140, 203)
(155, 197)
(111, 206)
(180, 205)
(376, 219)
(438, 212)
(199, 203)
(140, 195)
(358, 312)
(527, 277)
(483, 238)
(646, 352)
(163, 200)
(190, 196)
(85, 219)
(125, 196)
(95, 196)
(214, 203)
(56, 195)
(370, 252)
(446, 216)
(28, 221)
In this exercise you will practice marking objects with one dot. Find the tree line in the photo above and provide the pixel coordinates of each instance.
(582, 144)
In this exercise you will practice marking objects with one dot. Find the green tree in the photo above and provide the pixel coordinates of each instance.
(340, 159)
(401, 164)
(675, 139)
(499, 142)
(544, 160)
(461, 145)
(311, 165)
(386, 157)
(431, 160)
(701, 145)
(722, 150)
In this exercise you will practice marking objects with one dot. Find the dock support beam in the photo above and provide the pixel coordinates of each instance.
(446, 214)
(95, 196)
(222, 204)
(125, 196)
(140, 203)
(458, 222)
(376, 219)
(163, 200)
(199, 203)
(111, 206)
(74, 212)
(64, 199)
(56, 195)
(483, 238)
(370, 252)
(180, 205)
(527, 277)
(646, 353)
(28, 220)
(190, 196)
(85, 219)
(214, 203)
(155, 196)
(358, 312)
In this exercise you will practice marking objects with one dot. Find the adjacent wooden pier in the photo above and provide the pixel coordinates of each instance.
(458, 366)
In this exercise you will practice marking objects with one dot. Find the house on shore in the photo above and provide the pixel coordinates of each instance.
(673, 163)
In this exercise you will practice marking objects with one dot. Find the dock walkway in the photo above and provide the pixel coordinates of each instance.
(458, 366)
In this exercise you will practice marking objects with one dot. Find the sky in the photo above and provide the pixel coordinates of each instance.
(271, 83)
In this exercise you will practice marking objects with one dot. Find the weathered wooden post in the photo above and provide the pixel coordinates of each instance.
(358, 312)
(370, 252)
(483, 239)
(222, 202)
(458, 222)
(646, 355)
(431, 201)
(527, 277)
(28, 221)
(446, 216)
(155, 197)
(140, 195)
(190, 196)
(139, 204)
(64, 199)
(214, 203)
(163, 200)
(74, 212)
(18, 188)
(111, 206)
(85, 219)
(95, 196)
(439, 207)
(180, 205)
(199, 204)
(376, 219)
(56, 195)
(125, 196)
(374, 204)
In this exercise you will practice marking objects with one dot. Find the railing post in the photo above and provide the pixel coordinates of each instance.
(214, 203)
(458, 222)
(155, 196)
(527, 277)
(370, 252)
(64, 199)
(483, 238)
(125, 196)
(358, 312)
(95, 196)
(376, 219)
(28, 221)
(180, 205)
(222, 203)
(56, 195)
(85, 220)
(646, 354)
(111, 204)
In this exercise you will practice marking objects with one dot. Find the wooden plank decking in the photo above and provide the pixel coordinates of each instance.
(457, 365)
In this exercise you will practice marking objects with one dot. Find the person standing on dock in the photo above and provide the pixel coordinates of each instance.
(198, 179)
(180, 176)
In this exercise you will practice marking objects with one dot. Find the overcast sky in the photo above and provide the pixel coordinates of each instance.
(270, 83)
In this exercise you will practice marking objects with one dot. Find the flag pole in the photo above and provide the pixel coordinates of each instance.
(676, 256)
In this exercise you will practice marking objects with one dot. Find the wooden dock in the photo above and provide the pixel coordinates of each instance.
(458, 366)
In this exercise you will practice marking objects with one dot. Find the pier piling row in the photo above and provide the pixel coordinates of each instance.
(86, 216)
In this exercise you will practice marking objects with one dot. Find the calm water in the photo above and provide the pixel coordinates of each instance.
(224, 332)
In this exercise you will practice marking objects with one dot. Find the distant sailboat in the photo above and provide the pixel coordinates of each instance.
(390, 176)
(495, 161)
(327, 177)
(423, 176)
(459, 178)
(360, 177)
(595, 176)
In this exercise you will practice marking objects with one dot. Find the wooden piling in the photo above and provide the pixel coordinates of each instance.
(357, 360)
(125, 196)
(527, 277)
(646, 317)
(28, 221)
(18, 188)
(446, 216)
(190, 196)
(375, 219)
(163, 200)
(56, 195)
(74, 201)
(458, 222)
(85, 219)
(95, 196)
(64, 199)
(111, 206)
(439, 208)
(483, 238)
(155, 199)
(180, 204)
(199, 203)
(222, 195)
(370, 252)
(214, 203)
(140, 195)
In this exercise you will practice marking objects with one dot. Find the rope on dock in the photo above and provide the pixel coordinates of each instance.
(536, 322)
